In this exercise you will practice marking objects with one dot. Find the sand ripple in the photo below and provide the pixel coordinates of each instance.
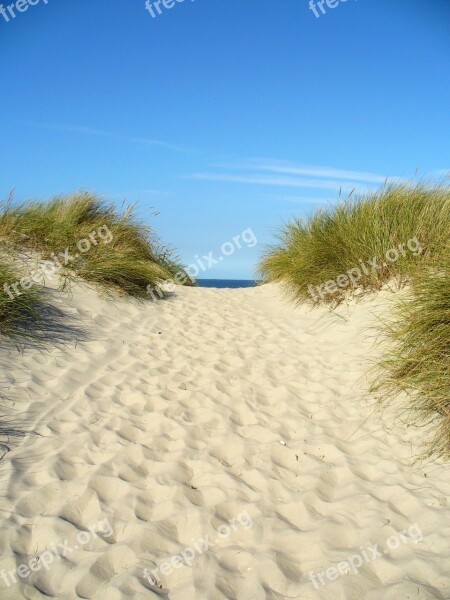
(172, 419)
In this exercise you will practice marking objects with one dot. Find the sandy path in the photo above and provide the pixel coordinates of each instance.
(216, 406)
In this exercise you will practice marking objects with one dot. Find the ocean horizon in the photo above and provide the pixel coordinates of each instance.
(226, 283)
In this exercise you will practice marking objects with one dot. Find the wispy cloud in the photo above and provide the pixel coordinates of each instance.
(269, 172)
(82, 130)
(288, 168)
(315, 200)
(276, 180)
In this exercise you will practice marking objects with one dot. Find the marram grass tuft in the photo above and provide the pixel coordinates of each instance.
(417, 365)
(352, 234)
(332, 242)
(16, 311)
(106, 247)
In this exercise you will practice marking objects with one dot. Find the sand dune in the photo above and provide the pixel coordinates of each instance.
(220, 413)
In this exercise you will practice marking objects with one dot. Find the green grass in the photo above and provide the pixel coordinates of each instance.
(332, 242)
(20, 323)
(418, 360)
(119, 254)
(109, 248)
(16, 311)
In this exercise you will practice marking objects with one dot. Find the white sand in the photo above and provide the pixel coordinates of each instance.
(173, 418)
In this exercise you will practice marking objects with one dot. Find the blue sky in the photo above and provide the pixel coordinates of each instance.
(222, 115)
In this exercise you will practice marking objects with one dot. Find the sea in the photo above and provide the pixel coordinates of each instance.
(226, 283)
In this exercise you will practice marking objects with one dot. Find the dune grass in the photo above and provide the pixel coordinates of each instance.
(416, 363)
(82, 236)
(418, 358)
(332, 242)
(16, 311)
(92, 240)
(19, 320)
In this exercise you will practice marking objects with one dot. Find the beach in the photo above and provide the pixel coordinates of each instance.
(225, 300)
(218, 444)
